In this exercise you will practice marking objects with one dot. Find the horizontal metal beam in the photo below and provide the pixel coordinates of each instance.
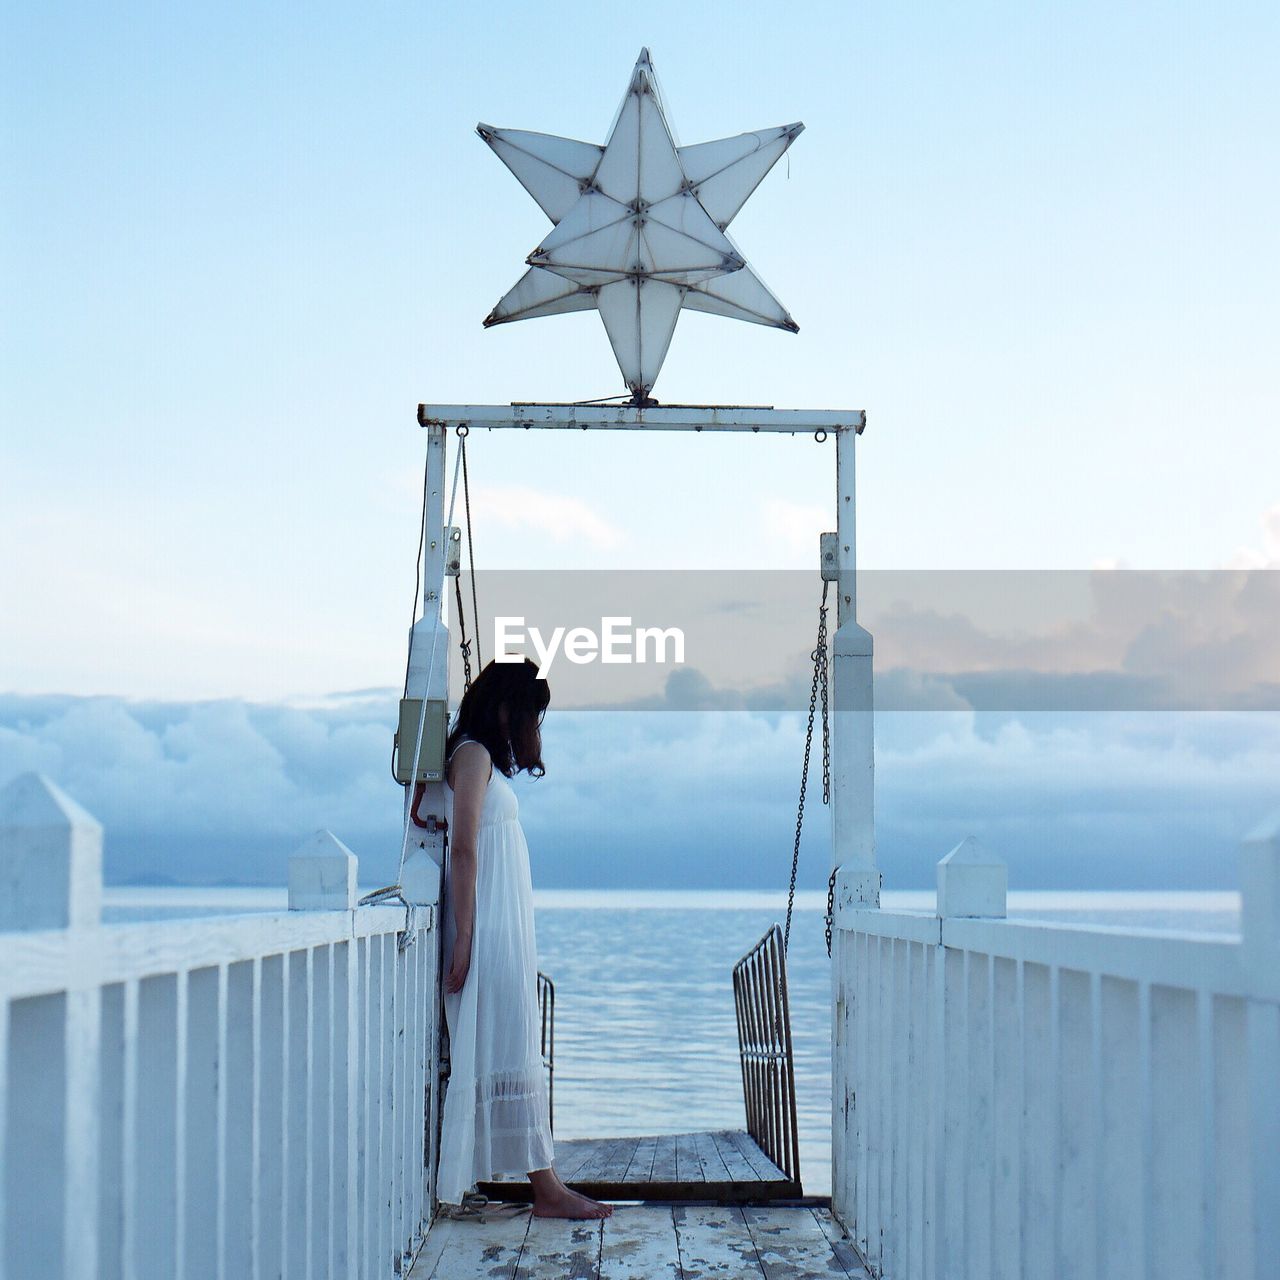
(675, 417)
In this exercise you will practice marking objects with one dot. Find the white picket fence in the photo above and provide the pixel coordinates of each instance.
(1044, 1101)
(232, 1097)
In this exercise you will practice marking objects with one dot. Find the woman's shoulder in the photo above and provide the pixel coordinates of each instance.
(469, 758)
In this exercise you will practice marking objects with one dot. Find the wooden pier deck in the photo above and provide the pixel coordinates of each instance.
(726, 1166)
(642, 1242)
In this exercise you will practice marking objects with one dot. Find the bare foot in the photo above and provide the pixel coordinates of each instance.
(585, 1200)
(597, 1204)
(560, 1202)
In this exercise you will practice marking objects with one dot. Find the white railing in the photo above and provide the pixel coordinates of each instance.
(1020, 1099)
(236, 1097)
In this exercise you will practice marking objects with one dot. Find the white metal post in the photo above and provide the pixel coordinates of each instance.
(322, 875)
(429, 678)
(52, 858)
(1260, 929)
(972, 881)
(51, 865)
(852, 755)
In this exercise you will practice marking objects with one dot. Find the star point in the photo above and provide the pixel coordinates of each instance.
(640, 227)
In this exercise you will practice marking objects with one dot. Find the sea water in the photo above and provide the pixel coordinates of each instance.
(645, 1029)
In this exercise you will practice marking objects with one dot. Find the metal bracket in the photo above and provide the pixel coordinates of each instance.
(829, 554)
(452, 551)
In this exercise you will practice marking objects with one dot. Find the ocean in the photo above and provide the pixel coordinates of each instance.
(645, 1031)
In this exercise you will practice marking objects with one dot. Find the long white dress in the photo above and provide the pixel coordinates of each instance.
(496, 1110)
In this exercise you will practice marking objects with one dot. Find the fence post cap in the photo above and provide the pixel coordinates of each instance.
(322, 874)
(972, 881)
(35, 801)
(50, 858)
(970, 852)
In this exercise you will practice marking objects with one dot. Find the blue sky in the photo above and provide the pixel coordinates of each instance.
(242, 242)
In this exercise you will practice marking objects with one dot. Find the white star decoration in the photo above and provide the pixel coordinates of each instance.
(640, 227)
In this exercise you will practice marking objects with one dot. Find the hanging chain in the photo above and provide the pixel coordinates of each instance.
(831, 905)
(463, 643)
(817, 689)
(826, 799)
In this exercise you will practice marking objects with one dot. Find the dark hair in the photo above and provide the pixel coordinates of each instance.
(516, 745)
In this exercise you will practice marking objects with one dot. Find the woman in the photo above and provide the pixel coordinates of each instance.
(496, 1111)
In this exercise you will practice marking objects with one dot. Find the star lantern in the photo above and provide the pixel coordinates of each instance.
(640, 228)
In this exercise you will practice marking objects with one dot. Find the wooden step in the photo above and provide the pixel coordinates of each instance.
(726, 1166)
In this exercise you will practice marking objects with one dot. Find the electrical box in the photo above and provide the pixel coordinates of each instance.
(434, 730)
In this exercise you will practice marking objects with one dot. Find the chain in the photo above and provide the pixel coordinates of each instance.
(820, 662)
(463, 643)
(831, 905)
(816, 688)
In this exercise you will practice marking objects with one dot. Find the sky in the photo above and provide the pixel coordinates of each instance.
(242, 242)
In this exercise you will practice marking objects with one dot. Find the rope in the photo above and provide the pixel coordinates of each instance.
(471, 558)
(817, 689)
(417, 568)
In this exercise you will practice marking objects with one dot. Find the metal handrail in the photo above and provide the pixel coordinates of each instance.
(547, 1017)
(764, 1048)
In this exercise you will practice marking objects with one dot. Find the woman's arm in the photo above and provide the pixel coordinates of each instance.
(469, 778)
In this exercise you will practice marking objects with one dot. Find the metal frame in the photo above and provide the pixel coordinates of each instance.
(627, 417)
(759, 978)
(852, 753)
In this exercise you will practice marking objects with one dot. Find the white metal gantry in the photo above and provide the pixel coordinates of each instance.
(852, 757)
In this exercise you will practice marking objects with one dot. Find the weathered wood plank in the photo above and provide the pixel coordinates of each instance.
(559, 1249)
(739, 1169)
(841, 1246)
(664, 1159)
(571, 1154)
(641, 1165)
(618, 1161)
(642, 1242)
(579, 1153)
(591, 1170)
(639, 1243)
(688, 1166)
(715, 1243)
(487, 1245)
(792, 1246)
(750, 1149)
(714, 1168)
(728, 1168)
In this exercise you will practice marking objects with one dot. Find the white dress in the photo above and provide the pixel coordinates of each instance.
(496, 1110)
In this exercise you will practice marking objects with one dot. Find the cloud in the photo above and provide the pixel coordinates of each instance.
(794, 526)
(223, 791)
(517, 508)
(1084, 640)
(1266, 556)
(209, 790)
